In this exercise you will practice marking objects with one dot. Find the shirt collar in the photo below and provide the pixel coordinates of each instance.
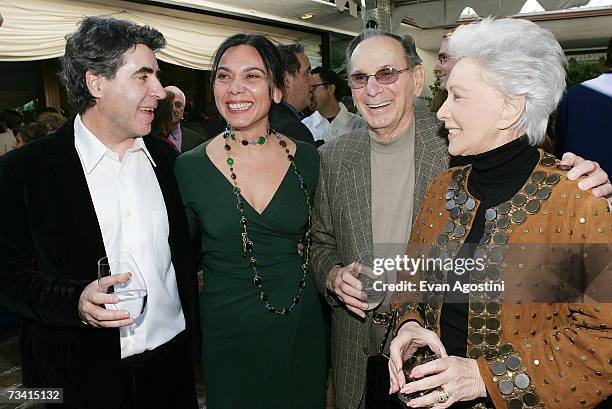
(176, 131)
(91, 150)
(342, 115)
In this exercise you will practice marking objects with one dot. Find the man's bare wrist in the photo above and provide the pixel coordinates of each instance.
(331, 277)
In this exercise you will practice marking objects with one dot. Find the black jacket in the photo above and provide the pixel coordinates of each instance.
(191, 139)
(50, 242)
(283, 120)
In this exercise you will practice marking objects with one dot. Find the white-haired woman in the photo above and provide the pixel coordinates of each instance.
(543, 340)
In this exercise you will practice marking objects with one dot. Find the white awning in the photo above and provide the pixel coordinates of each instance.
(440, 13)
(341, 16)
(35, 30)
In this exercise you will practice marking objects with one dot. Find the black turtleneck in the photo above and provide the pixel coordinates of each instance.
(495, 177)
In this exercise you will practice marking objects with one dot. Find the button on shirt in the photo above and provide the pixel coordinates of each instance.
(132, 216)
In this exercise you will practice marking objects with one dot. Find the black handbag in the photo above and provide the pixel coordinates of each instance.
(377, 377)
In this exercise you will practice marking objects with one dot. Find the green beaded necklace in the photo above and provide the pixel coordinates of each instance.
(257, 141)
(247, 244)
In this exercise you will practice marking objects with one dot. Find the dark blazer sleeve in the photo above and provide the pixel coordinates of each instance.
(23, 287)
(285, 122)
(191, 139)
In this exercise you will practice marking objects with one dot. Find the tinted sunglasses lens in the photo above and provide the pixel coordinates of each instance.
(357, 80)
(386, 76)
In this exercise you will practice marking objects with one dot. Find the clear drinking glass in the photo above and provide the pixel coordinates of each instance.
(133, 294)
(422, 355)
(373, 277)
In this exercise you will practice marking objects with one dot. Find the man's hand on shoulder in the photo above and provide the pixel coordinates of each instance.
(596, 178)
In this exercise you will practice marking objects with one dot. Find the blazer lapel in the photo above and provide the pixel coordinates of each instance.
(66, 164)
(359, 192)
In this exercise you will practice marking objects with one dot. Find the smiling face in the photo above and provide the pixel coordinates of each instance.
(242, 91)
(476, 115)
(387, 109)
(125, 104)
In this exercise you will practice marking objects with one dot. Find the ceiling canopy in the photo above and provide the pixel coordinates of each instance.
(443, 13)
(345, 16)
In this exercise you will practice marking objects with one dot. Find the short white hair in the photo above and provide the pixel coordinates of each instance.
(521, 58)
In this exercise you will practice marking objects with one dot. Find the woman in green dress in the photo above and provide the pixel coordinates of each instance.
(248, 194)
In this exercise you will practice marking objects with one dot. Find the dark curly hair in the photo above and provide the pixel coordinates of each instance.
(98, 46)
(288, 53)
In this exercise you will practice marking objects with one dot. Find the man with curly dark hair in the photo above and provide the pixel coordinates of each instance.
(101, 187)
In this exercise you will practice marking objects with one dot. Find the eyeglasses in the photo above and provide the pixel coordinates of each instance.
(318, 85)
(384, 76)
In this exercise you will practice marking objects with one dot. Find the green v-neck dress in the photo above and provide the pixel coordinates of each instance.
(252, 358)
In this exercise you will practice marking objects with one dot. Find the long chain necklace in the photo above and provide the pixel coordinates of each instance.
(247, 244)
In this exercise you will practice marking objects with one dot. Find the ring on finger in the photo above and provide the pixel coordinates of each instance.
(442, 394)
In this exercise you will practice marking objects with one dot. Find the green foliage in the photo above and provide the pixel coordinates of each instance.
(28, 106)
(28, 110)
(433, 88)
(436, 84)
(580, 71)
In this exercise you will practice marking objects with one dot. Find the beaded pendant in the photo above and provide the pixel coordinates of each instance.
(247, 244)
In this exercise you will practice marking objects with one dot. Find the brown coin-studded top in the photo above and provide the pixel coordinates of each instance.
(544, 340)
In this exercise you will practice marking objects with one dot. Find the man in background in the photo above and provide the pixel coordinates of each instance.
(331, 118)
(286, 117)
(442, 70)
(184, 139)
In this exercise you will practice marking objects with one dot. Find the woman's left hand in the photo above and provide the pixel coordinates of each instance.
(459, 378)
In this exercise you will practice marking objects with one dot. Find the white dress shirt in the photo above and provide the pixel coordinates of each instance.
(343, 123)
(132, 216)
